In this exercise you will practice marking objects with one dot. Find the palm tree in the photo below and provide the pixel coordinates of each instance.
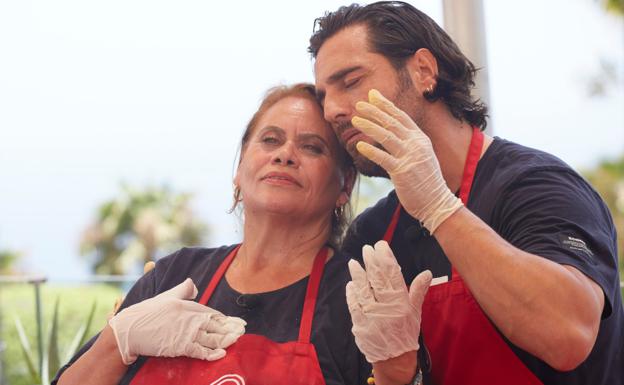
(136, 226)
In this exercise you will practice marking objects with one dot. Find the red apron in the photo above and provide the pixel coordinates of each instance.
(464, 346)
(253, 359)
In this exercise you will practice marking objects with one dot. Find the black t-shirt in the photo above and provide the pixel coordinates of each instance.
(540, 205)
(275, 314)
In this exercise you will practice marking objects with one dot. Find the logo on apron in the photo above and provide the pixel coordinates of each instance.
(227, 379)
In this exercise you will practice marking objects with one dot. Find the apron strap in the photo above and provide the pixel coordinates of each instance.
(216, 278)
(393, 224)
(470, 168)
(305, 328)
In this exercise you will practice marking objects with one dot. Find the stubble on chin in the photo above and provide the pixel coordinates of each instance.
(367, 167)
(362, 163)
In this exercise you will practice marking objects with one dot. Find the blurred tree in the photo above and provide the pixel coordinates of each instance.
(608, 76)
(608, 179)
(614, 6)
(7, 261)
(132, 228)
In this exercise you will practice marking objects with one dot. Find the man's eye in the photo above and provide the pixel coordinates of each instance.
(351, 82)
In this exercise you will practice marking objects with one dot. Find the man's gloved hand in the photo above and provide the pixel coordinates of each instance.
(169, 325)
(409, 159)
(386, 317)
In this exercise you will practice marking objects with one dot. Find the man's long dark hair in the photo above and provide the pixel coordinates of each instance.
(397, 30)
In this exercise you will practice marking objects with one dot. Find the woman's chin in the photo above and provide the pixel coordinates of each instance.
(277, 207)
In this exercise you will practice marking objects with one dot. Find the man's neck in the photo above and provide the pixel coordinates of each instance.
(451, 139)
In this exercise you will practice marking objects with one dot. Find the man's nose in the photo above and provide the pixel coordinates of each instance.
(336, 110)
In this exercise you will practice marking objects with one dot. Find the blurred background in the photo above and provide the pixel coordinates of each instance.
(120, 123)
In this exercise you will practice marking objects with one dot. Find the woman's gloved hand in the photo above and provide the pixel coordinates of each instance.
(386, 317)
(169, 325)
(408, 158)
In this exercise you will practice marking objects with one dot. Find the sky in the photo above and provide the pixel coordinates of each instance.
(95, 93)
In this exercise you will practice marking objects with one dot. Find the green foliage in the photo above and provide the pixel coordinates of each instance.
(608, 179)
(67, 320)
(136, 226)
(614, 6)
(50, 358)
(31, 362)
(7, 260)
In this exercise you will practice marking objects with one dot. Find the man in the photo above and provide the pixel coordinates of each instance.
(526, 287)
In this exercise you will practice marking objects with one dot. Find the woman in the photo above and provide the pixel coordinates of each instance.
(284, 280)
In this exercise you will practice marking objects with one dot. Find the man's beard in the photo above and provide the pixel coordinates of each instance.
(364, 165)
(406, 101)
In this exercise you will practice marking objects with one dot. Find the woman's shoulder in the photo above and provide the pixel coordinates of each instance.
(194, 256)
(188, 262)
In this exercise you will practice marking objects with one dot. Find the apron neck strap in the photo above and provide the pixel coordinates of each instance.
(305, 329)
(216, 278)
(470, 167)
(314, 281)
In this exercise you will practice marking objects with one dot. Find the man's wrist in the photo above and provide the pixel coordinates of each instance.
(400, 370)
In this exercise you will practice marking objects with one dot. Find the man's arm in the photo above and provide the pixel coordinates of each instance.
(550, 310)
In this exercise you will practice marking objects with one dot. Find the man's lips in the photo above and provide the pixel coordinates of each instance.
(350, 134)
(280, 178)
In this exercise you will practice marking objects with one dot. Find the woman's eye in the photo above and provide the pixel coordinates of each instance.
(313, 148)
(270, 140)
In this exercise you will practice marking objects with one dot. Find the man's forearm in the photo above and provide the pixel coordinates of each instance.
(545, 308)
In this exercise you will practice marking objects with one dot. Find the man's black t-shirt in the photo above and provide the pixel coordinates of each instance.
(275, 314)
(540, 205)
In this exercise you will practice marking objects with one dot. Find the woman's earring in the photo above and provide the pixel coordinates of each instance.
(338, 211)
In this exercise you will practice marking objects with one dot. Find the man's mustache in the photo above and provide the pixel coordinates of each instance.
(341, 127)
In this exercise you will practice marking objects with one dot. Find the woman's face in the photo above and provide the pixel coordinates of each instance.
(290, 163)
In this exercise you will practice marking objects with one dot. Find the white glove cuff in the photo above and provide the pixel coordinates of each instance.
(376, 356)
(446, 208)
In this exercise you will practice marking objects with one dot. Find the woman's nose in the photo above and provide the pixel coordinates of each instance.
(285, 156)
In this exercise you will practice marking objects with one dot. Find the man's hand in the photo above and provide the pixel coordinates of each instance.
(386, 317)
(169, 325)
(410, 160)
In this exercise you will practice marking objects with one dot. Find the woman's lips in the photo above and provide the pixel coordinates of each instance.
(280, 178)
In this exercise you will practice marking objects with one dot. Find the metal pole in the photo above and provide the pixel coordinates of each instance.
(464, 21)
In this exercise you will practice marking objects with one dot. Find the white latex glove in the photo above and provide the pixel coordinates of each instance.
(169, 325)
(386, 317)
(409, 160)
